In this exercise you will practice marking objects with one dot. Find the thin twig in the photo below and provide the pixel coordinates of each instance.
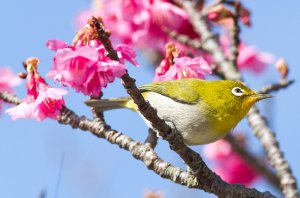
(185, 40)
(151, 159)
(275, 87)
(97, 114)
(235, 35)
(151, 139)
(6, 97)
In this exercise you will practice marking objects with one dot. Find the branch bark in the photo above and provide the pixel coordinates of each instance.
(275, 87)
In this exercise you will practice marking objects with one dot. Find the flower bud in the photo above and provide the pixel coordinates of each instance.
(245, 16)
(22, 75)
(218, 13)
(282, 68)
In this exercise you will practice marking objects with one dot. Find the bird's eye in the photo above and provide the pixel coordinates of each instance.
(237, 91)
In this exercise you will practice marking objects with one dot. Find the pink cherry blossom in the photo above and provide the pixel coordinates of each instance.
(73, 67)
(126, 53)
(42, 101)
(229, 165)
(143, 23)
(86, 67)
(7, 80)
(249, 57)
(26, 108)
(183, 67)
(48, 102)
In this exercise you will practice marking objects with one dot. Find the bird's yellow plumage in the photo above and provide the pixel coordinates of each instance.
(201, 111)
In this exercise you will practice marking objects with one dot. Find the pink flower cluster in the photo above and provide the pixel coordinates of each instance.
(249, 57)
(229, 165)
(175, 67)
(142, 23)
(183, 67)
(145, 24)
(7, 80)
(42, 101)
(85, 66)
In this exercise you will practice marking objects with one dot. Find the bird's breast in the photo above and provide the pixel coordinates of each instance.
(187, 119)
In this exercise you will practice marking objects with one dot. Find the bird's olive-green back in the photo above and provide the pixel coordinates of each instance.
(191, 90)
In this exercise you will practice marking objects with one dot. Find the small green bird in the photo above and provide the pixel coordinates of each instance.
(201, 111)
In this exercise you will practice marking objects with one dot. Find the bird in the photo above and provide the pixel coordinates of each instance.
(201, 111)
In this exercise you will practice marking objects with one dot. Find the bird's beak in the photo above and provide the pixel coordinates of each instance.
(260, 96)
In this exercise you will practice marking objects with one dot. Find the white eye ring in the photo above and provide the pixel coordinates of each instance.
(237, 91)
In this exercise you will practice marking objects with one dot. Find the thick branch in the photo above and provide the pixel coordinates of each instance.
(256, 121)
(209, 183)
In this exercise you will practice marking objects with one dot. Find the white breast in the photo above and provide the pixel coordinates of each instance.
(184, 118)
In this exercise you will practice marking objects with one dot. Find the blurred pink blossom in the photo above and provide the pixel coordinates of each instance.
(142, 23)
(249, 57)
(229, 165)
(42, 101)
(252, 59)
(7, 80)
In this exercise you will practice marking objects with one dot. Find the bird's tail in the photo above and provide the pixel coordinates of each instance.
(109, 104)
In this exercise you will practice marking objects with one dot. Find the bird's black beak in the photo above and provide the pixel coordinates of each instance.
(261, 96)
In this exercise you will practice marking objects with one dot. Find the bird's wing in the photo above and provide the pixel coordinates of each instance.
(178, 90)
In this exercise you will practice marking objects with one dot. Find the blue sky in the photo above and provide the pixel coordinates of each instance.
(31, 152)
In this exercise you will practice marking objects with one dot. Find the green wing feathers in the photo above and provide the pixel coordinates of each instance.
(108, 104)
(182, 90)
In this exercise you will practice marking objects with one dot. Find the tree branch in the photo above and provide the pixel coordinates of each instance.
(275, 155)
(256, 121)
(235, 33)
(209, 183)
(275, 87)
(151, 139)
